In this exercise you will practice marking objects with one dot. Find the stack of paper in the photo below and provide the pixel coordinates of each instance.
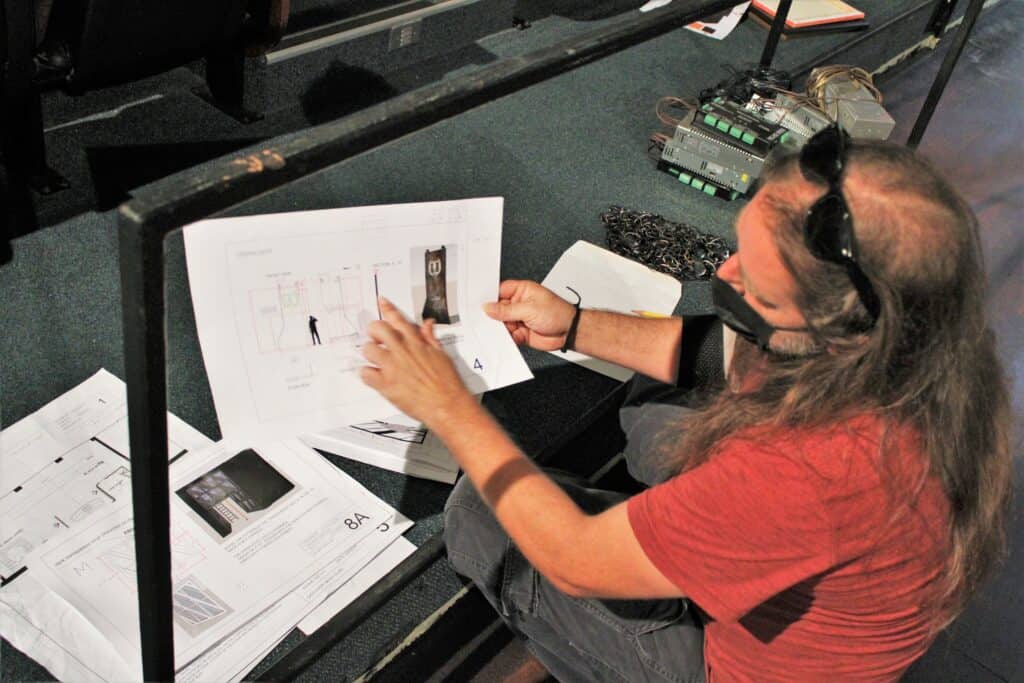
(261, 535)
(282, 303)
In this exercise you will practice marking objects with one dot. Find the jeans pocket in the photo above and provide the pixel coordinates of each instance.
(519, 584)
(672, 645)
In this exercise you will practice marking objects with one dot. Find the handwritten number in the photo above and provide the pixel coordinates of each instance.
(354, 523)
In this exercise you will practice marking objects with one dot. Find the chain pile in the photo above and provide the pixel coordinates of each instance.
(678, 249)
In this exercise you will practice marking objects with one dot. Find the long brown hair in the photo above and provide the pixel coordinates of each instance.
(930, 361)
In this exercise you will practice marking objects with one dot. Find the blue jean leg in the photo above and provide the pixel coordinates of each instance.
(576, 639)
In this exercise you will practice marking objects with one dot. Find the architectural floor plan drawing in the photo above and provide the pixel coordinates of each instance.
(313, 517)
(63, 467)
(68, 461)
(283, 301)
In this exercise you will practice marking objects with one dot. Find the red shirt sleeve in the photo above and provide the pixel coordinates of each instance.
(738, 529)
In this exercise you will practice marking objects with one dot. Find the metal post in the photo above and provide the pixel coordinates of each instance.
(142, 291)
(945, 71)
(940, 17)
(775, 33)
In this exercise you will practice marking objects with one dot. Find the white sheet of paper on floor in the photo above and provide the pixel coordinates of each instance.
(234, 656)
(249, 526)
(610, 282)
(721, 27)
(63, 466)
(396, 442)
(282, 302)
(378, 567)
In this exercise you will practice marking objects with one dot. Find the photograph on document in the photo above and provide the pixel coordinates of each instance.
(196, 608)
(232, 495)
(434, 273)
(397, 427)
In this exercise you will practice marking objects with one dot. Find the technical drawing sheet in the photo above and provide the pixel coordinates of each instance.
(337, 583)
(282, 302)
(61, 467)
(397, 443)
(249, 527)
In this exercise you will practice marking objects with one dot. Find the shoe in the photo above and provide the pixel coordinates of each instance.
(52, 61)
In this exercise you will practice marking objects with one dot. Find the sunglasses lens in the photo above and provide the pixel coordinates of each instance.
(828, 228)
(822, 156)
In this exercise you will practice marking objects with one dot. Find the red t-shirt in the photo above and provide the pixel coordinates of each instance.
(811, 555)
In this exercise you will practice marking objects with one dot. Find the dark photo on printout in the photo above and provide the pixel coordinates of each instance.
(233, 495)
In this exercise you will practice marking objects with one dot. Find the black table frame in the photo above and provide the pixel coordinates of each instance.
(164, 207)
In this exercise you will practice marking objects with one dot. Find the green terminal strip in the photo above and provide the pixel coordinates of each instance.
(735, 132)
(698, 184)
(710, 119)
(722, 126)
(748, 138)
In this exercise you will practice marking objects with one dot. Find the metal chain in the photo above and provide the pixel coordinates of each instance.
(678, 249)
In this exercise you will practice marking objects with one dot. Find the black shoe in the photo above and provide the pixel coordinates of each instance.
(53, 62)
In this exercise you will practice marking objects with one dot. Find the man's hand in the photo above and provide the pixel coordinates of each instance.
(412, 371)
(533, 314)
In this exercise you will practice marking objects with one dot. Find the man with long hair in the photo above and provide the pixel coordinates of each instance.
(821, 515)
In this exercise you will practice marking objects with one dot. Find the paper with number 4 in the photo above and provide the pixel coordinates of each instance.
(282, 303)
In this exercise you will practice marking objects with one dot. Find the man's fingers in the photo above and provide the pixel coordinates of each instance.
(506, 310)
(392, 315)
(428, 334)
(508, 288)
(374, 353)
(384, 333)
(371, 377)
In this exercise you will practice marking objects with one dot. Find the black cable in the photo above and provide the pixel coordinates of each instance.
(677, 249)
(740, 86)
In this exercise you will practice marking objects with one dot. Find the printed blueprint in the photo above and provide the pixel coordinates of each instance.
(282, 302)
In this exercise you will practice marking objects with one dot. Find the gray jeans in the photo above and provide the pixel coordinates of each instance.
(586, 640)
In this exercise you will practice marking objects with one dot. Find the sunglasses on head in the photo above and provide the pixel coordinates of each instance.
(828, 228)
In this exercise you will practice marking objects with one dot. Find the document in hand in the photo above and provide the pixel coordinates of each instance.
(282, 304)
(250, 526)
(610, 282)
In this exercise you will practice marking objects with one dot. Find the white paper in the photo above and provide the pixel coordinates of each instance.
(234, 656)
(653, 5)
(260, 283)
(396, 442)
(429, 459)
(60, 467)
(377, 569)
(248, 527)
(724, 26)
(610, 282)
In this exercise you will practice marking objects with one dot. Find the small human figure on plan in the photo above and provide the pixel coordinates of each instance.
(312, 331)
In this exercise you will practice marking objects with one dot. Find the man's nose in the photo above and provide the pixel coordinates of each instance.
(729, 271)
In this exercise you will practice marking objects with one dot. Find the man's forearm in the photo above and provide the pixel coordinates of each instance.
(537, 514)
(649, 346)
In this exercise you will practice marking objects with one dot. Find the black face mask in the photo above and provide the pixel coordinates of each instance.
(737, 314)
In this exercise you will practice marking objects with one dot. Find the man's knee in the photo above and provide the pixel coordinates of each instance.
(475, 541)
